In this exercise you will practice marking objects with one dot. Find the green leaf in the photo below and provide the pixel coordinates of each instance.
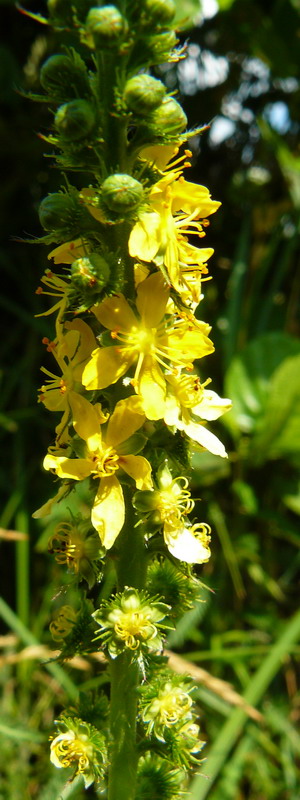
(247, 381)
(279, 432)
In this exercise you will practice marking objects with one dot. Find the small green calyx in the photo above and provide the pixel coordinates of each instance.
(62, 78)
(75, 120)
(90, 272)
(143, 93)
(169, 117)
(121, 192)
(105, 27)
(132, 620)
(160, 11)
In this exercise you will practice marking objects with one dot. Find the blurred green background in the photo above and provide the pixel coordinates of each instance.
(241, 76)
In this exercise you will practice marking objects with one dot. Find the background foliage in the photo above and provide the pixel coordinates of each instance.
(240, 76)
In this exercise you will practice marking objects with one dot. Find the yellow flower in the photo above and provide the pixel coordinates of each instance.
(103, 458)
(176, 207)
(150, 341)
(62, 623)
(81, 746)
(171, 705)
(187, 398)
(188, 543)
(72, 347)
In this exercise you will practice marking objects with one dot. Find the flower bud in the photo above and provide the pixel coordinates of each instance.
(90, 272)
(160, 11)
(106, 26)
(56, 211)
(75, 120)
(62, 78)
(160, 46)
(169, 117)
(121, 192)
(143, 93)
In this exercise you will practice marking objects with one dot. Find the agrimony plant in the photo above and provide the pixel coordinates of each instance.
(125, 281)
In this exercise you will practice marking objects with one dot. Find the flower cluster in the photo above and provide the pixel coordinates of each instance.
(125, 283)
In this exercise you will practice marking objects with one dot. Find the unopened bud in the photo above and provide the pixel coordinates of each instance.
(121, 192)
(169, 117)
(143, 93)
(106, 26)
(62, 78)
(75, 120)
(160, 11)
(56, 211)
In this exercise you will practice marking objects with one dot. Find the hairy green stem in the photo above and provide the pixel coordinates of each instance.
(125, 674)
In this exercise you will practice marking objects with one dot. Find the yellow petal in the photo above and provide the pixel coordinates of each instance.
(185, 546)
(139, 469)
(211, 405)
(68, 252)
(152, 297)
(127, 417)
(106, 366)
(89, 196)
(159, 154)
(108, 512)
(115, 314)
(46, 508)
(85, 420)
(152, 388)
(205, 438)
(76, 468)
(145, 238)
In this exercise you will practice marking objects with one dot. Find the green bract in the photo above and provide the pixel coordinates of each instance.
(122, 192)
(75, 120)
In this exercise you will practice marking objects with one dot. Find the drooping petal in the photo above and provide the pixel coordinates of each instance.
(152, 297)
(152, 388)
(108, 512)
(85, 420)
(115, 313)
(205, 438)
(75, 468)
(46, 508)
(139, 469)
(127, 417)
(106, 366)
(185, 546)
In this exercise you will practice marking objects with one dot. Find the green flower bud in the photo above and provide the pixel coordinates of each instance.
(90, 272)
(143, 93)
(169, 117)
(106, 26)
(56, 212)
(160, 47)
(75, 120)
(161, 11)
(62, 78)
(121, 192)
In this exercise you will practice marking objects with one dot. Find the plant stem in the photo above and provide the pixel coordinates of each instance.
(125, 674)
(123, 712)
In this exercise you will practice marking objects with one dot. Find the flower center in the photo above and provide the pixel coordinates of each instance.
(105, 463)
(132, 626)
(175, 501)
